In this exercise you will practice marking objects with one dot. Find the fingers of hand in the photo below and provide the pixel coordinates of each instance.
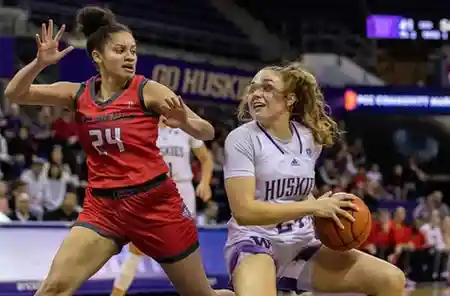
(345, 196)
(348, 205)
(174, 102)
(43, 32)
(327, 194)
(38, 41)
(345, 214)
(50, 30)
(60, 33)
(337, 221)
(180, 101)
(65, 51)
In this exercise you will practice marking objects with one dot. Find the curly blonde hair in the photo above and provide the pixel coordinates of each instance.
(310, 108)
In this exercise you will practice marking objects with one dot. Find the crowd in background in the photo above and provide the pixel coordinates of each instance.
(43, 177)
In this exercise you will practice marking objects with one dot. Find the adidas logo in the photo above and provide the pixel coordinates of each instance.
(295, 162)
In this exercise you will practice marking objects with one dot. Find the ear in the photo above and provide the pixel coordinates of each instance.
(96, 56)
(291, 99)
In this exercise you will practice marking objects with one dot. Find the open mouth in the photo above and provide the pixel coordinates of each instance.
(258, 105)
(128, 68)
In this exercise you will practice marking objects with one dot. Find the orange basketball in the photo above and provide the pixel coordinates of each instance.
(352, 236)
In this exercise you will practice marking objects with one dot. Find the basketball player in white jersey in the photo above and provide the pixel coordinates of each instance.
(269, 177)
(175, 146)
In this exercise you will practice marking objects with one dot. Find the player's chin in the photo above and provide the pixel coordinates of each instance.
(127, 73)
(259, 115)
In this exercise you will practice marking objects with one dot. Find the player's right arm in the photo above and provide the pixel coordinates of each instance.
(21, 90)
(240, 184)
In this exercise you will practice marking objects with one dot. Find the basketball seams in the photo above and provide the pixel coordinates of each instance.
(357, 236)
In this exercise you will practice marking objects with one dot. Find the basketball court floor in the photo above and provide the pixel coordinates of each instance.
(429, 290)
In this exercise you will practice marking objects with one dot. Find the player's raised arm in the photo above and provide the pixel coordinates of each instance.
(176, 114)
(21, 90)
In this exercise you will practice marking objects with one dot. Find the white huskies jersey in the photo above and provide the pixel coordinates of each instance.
(284, 173)
(175, 146)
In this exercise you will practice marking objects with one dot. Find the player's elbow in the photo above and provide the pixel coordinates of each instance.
(245, 216)
(12, 95)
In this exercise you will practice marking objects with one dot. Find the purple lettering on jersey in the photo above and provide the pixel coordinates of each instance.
(287, 226)
(261, 241)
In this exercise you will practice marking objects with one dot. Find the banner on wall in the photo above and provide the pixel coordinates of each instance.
(26, 253)
(190, 80)
(7, 64)
(398, 99)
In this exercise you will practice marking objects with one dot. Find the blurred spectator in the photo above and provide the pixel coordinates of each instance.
(68, 211)
(433, 202)
(35, 178)
(395, 184)
(4, 199)
(414, 178)
(21, 151)
(5, 159)
(446, 231)
(434, 238)
(432, 231)
(328, 173)
(65, 129)
(360, 176)
(344, 161)
(42, 133)
(22, 211)
(358, 153)
(380, 242)
(14, 121)
(401, 234)
(56, 182)
(374, 174)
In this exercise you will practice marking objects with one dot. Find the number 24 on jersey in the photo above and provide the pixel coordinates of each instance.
(106, 137)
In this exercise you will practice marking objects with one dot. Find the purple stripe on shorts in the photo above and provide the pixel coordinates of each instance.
(245, 247)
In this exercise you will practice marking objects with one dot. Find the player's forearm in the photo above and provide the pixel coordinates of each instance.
(199, 129)
(264, 213)
(207, 166)
(21, 82)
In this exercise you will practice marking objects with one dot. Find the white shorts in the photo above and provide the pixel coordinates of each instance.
(187, 192)
(293, 260)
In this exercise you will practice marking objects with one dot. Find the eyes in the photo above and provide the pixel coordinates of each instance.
(266, 87)
(123, 49)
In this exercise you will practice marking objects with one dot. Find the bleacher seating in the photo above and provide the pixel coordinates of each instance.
(190, 25)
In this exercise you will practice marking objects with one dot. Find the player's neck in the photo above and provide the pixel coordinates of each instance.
(109, 86)
(280, 129)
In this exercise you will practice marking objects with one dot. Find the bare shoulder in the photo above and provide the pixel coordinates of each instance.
(153, 88)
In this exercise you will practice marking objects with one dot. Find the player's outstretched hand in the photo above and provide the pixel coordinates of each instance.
(48, 52)
(174, 113)
(333, 205)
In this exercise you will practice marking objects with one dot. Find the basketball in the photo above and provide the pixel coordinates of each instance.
(352, 236)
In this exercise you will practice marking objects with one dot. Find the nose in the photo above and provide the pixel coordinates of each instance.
(257, 93)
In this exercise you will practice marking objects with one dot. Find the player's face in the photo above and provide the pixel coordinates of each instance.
(119, 55)
(265, 97)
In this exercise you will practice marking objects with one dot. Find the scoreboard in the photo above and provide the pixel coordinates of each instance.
(406, 28)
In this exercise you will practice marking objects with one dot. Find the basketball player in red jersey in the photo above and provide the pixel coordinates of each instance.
(129, 196)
